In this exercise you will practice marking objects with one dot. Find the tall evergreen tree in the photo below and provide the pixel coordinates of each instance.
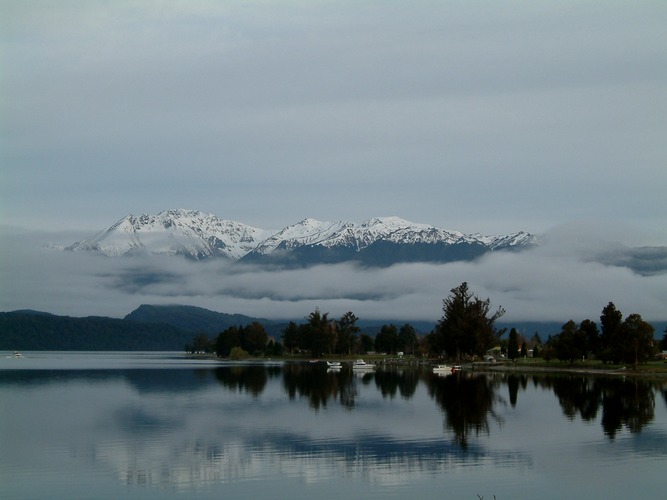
(513, 344)
(407, 338)
(467, 326)
(637, 335)
(321, 332)
(253, 337)
(387, 339)
(347, 331)
(610, 324)
(365, 343)
(226, 341)
(291, 337)
(570, 343)
(590, 330)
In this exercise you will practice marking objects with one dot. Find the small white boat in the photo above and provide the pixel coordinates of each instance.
(360, 364)
(16, 355)
(334, 364)
(446, 369)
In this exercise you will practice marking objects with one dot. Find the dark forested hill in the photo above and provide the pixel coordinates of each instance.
(190, 318)
(28, 330)
(148, 328)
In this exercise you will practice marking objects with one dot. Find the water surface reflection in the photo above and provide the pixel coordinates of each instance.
(302, 429)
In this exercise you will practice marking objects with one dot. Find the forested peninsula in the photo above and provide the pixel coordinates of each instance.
(147, 328)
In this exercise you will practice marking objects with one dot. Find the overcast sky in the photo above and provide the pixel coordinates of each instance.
(478, 116)
(481, 116)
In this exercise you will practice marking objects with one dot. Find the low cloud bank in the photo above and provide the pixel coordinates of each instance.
(565, 278)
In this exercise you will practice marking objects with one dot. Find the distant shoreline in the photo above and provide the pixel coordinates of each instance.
(648, 370)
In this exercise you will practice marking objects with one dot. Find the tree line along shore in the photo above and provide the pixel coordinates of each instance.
(466, 333)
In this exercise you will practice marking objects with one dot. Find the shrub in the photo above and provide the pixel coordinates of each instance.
(238, 353)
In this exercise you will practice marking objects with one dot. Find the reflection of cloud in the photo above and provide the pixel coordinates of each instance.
(216, 437)
(139, 421)
(560, 280)
(207, 461)
(231, 452)
(212, 436)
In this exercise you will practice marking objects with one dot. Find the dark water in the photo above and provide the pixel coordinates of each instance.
(155, 425)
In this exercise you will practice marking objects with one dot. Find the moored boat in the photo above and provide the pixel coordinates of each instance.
(446, 369)
(334, 364)
(360, 364)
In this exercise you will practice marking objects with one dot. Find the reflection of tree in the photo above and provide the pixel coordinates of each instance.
(466, 402)
(318, 384)
(514, 383)
(408, 383)
(513, 388)
(578, 395)
(387, 382)
(627, 402)
(391, 381)
(243, 378)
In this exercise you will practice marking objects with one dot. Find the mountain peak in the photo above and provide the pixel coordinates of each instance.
(200, 235)
(190, 233)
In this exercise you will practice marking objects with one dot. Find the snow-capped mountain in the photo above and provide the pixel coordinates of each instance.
(391, 229)
(176, 232)
(377, 241)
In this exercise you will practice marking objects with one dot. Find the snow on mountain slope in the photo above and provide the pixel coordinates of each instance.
(199, 236)
(306, 232)
(176, 232)
(518, 240)
(389, 229)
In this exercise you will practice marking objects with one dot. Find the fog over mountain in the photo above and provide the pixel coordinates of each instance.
(573, 273)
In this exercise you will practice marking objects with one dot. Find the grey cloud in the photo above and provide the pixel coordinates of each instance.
(554, 282)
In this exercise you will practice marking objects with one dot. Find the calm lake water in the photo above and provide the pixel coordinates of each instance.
(156, 425)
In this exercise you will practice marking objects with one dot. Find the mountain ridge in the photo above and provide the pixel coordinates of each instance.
(199, 236)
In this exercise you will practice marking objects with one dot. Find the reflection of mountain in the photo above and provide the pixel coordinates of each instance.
(235, 426)
(379, 459)
(233, 454)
